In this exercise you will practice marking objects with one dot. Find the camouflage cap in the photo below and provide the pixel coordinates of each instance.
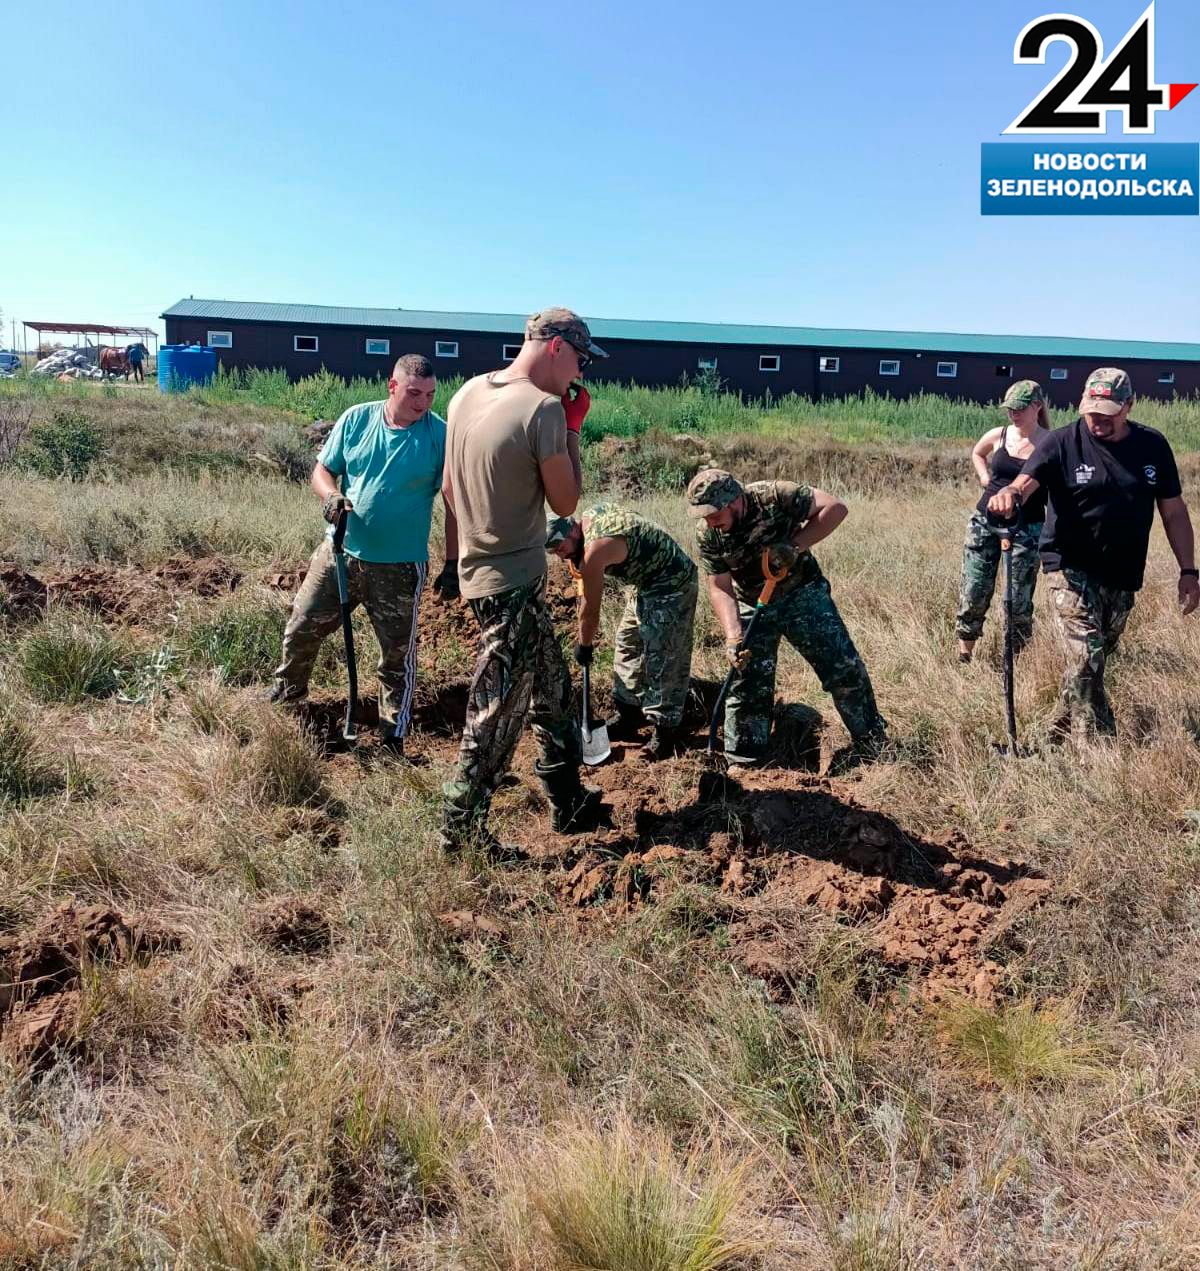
(1106, 392)
(1023, 393)
(566, 323)
(558, 528)
(711, 490)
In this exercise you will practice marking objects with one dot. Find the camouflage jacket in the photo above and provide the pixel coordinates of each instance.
(774, 511)
(654, 562)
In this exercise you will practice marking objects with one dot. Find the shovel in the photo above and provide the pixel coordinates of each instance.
(1006, 533)
(349, 731)
(713, 781)
(595, 740)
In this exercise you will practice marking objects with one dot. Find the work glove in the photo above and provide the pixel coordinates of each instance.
(445, 585)
(736, 654)
(332, 505)
(584, 654)
(781, 557)
(576, 403)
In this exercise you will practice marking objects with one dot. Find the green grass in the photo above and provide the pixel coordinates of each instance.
(68, 660)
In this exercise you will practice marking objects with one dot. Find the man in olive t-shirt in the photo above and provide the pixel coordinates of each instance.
(512, 445)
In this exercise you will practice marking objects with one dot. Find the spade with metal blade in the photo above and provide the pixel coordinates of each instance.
(349, 730)
(714, 781)
(594, 736)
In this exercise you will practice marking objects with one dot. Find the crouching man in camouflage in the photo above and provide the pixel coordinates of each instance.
(652, 658)
(382, 463)
(786, 520)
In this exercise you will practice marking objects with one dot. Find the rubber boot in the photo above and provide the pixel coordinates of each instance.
(574, 807)
(663, 742)
(464, 828)
(624, 725)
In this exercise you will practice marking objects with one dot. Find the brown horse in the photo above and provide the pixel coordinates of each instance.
(114, 362)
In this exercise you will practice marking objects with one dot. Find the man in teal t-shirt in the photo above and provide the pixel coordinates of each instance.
(383, 464)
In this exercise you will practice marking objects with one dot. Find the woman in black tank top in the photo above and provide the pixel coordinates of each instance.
(998, 456)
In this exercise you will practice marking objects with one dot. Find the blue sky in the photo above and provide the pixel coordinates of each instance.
(809, 164)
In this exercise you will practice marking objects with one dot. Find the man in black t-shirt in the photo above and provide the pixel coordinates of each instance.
(1104, 476)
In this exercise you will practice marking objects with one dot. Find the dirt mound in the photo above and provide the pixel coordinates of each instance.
(292, 925)
(40, 969)
(467, 925)
(244, 1000)
(22, 597)
(129, 595)
(780, 842)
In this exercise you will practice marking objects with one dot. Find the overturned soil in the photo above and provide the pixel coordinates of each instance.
(777, 842)
(41, 970)
(117, 593)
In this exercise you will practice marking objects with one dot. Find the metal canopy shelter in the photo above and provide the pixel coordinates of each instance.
(84, 329)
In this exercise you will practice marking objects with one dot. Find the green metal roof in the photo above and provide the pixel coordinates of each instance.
(690, 332)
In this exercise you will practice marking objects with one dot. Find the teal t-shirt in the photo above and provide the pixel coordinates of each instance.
(390, 475)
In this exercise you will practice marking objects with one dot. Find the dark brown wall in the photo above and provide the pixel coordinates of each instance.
(342, 350)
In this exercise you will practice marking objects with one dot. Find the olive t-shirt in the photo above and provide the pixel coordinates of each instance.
(498, 434)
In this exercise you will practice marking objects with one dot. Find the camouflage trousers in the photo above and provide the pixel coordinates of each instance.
(809, 620)
(390, 593)
(520, 666)
(1090, 619)
(980, 565)
(652, 655)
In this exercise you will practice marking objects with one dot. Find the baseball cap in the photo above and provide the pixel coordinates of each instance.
(711, 490)
(1023, 393)
(557, 529)
(566, 323)
(1106, 392)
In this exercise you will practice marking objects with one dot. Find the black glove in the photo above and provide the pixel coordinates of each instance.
(445, 584)
(584, 654)
(332, 505)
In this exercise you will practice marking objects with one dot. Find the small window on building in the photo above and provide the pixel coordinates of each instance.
(830, 365)
(1058, 372)
(510, 351)
(304, 343)
(446, 348)
(947, 370)
(1003, 370)
(706, 363)
(1167, 377)
(220, 340)
(380, 347)
(889, 367)
(768, 362)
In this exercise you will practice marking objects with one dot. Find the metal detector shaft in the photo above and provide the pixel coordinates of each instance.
(1010, 649)
(349, 730)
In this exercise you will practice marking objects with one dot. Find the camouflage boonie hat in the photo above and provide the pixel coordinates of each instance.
(711, 490)
(1023, 393)
(1106, 392)
(557, 529)
(565, 322)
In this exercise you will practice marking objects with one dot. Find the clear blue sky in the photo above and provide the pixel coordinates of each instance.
(776, 162)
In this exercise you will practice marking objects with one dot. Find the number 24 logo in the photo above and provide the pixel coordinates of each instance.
(1123, 81)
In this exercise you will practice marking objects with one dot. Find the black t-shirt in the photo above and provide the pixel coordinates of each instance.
(1005, 469)
(1102, 497)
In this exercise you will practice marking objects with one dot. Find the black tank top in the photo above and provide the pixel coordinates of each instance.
(1005, 469)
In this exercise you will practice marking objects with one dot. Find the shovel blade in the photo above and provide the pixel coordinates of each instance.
(595, 746)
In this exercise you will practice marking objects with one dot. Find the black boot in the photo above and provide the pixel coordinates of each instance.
(662, 743)
(624, 725)
(574, 807)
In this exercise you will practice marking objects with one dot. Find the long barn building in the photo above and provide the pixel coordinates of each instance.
(752, 360)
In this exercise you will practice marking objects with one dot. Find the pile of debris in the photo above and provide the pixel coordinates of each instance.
(69, 364)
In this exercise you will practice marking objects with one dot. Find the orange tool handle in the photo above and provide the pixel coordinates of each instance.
(773, 579)
(578, 578)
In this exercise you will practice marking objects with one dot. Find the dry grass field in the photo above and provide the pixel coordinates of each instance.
(940, 1013)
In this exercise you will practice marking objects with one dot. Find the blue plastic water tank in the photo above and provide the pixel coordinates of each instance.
(181, 365)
